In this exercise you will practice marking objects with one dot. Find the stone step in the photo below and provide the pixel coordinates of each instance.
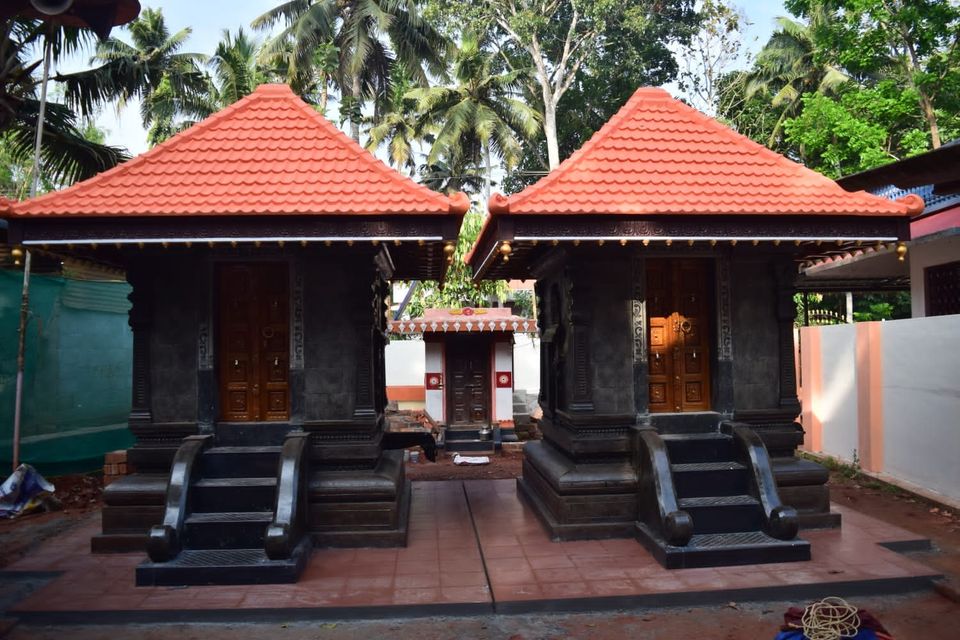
(723, 514)
(240, 462)
(462, 435)
(470, 447)
(233, 494)
(685, 448)
(696, 479)
(224, 567)
(226, 529)
(251, 434)
(724, 549)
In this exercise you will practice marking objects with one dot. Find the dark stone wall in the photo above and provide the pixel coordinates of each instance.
(336, 301)
(756, 358)
(173, 337)
(605, 288)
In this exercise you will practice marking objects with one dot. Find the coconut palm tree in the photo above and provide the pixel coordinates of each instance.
(66, 154)
(152, 64)
(787, 67)
(481, 114)
(369, 37)
(398, 127)
(236, 68)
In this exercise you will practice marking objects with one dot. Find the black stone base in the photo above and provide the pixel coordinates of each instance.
(224, 567)
(722, 549)
(579, 500)
(562, 532)
(333, 535)
(132, 504)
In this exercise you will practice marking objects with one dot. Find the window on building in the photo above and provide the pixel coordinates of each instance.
(942, 285)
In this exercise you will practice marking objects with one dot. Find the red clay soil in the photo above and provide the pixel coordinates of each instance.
(506, 464)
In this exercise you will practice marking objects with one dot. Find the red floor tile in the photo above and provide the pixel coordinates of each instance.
(443, 564)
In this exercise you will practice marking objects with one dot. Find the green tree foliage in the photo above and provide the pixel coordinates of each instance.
(480, 113)
(560, 41)
(861, 129)
(917, 42)
(66, 154)
(236, 68)
(398, 127)
(369, 36)
(458, 289)
(172, 88)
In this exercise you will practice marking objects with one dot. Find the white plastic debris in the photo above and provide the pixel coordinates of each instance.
(23, 492)
(459, 459)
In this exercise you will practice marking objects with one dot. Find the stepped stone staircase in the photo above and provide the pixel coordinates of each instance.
(468, 441)
(709, 499)
(234, 512)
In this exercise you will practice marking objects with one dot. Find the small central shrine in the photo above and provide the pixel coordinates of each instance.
(258, 244)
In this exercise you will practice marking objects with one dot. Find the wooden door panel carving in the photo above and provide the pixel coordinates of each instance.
(678, 318)
(254, 342)
(469, 381)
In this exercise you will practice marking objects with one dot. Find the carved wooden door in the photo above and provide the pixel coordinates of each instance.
(678, 312)
(468, 381)
(254, 342)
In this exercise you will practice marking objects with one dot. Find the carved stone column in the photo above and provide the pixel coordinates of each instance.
(638, 328)
(141, 321)
(578, 317)
(297, 376)
(206, 376)
(365, 395)
(786, 312)
(724, 375)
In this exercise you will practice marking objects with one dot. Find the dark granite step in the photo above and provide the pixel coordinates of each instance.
(695, 479)
(224, 567)
(470, 447)
(460, 435)
(240, 462)
(226, 529)
(233, 494)
(724, 549)
(251, 434)
(723, 514)
(698, 447)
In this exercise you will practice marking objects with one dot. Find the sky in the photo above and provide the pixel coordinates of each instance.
(207, 21)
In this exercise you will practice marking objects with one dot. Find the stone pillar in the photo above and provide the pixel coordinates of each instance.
(141, 320)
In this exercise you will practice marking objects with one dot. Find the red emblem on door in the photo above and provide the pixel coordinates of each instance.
(504, 380)
(433, 381)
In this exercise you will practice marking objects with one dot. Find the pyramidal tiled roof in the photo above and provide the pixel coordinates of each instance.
(659, 156)
(269, 153)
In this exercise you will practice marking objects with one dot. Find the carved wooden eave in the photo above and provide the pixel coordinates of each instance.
(531, 239)
(413, 245)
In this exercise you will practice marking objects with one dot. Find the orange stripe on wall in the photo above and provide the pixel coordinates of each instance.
(812, 377)
(869, 344)
(407, 393)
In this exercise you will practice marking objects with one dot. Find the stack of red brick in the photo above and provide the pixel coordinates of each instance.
(115, 466)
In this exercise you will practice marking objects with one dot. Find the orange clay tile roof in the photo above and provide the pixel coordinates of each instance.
(659, 156)
(269, 153)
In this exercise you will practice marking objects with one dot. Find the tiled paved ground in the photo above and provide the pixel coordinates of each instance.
(519, 569)
(524, 565)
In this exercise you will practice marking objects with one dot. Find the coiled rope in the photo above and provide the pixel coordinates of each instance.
(830, 619)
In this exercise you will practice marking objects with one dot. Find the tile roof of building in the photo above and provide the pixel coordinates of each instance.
(659, 156)
(464, 320)
(268, 154)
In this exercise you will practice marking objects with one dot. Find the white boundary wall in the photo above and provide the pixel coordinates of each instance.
(921, 402)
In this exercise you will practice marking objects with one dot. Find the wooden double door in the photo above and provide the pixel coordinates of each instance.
(468, 381)
(678, 312)
(254, 342)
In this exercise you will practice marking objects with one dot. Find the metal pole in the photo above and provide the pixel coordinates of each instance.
(25, 296)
